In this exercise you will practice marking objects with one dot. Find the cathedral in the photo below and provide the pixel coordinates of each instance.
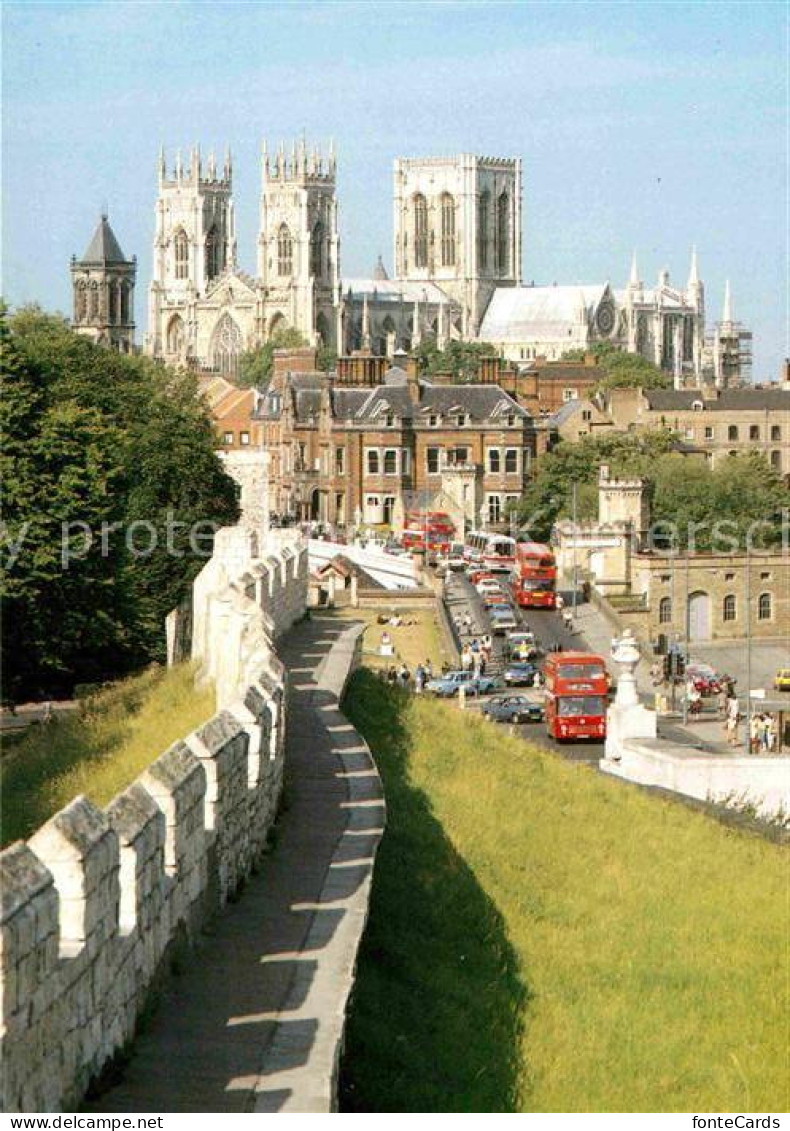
(457, 275)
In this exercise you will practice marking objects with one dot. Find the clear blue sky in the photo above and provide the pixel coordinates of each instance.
(641, 125)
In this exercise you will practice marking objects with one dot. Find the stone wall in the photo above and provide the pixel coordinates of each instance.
(763, 782)
(98, 900)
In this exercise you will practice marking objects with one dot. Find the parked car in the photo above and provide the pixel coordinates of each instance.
(496, 601)
(488, 585)
(502, 619)
(513, 709)
(478, 573)
(520, 674)
(704, 678)
(446, 686)
(782, 680)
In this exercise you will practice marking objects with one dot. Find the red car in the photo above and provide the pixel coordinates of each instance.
(704, 678)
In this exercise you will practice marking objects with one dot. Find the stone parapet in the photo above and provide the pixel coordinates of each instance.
(95, 903)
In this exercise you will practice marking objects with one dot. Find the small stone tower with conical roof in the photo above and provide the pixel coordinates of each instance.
(103, 289)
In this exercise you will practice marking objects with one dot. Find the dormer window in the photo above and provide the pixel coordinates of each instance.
(389, 420)
(511, 421)
(697, 406)
(461, 420)
(433, 421)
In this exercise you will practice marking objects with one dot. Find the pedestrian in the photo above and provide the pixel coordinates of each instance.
(419, 679)
(765, 732)
(567, 619)
(405, 676)
(48, 715)
(466, 658)
(721, 702)
(559, 603)
(428, 670)
(773, 733)
(536, 679)
(392, 676)
(733, 714)
(754, 734)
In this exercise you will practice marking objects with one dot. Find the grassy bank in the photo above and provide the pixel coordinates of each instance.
(100, 749)
(413, 643)
(543, 938)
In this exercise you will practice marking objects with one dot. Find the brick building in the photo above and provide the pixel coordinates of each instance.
(360, 446)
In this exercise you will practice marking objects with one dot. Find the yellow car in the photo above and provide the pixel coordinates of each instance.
(782, 680)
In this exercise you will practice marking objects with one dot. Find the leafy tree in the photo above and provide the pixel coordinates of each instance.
(255, 366)
(461, 359)
(92, 442)
(706, 508)
(622, 369)
(326, 359)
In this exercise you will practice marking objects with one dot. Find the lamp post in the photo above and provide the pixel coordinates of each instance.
(573, 545)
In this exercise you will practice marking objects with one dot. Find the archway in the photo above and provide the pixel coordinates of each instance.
(175, 335)
(699, 616)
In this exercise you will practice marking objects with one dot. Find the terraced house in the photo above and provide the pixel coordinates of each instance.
(362, 447)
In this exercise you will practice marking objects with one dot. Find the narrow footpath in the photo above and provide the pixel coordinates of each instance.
(254, 1022)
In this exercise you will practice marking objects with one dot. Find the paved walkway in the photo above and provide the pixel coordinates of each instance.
(255, 1022)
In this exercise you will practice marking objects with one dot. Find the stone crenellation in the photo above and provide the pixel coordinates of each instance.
(95, 904)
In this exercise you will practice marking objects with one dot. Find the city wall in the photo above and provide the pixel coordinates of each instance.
(99, 901)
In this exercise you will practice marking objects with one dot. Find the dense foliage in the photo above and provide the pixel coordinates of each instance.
(622, 370)
(255, 366)
(461, 359)
(93, 443)
(707, 507)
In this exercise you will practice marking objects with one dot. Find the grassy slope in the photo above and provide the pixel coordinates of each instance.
(101, 749)
(543, 938)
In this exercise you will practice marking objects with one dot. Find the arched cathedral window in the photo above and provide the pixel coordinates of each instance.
(175, 335)
(284, 251)
(213, 253)
(226, 345)
(126, 291)
(317, 251)
(93, 310)
(482, 230)
(448, 230)
(503, 233)
(181, 246)
(420, 231)
(80, 302)
(112, 301)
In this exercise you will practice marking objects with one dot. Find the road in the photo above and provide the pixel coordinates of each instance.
(547, 625)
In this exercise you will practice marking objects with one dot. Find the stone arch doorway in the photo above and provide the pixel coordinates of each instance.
(699, 615)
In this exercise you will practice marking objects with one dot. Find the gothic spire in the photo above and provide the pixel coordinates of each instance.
(727, 315)
(634, 279)
(693, 272)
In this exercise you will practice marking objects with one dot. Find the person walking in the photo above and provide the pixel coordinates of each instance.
(559, 603)
(721, 702)
(733, 715)
(567, 619)
(754, 734)
(466, 658)
(419, 679)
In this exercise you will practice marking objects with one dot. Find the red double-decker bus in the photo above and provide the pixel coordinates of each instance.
(433, 530)
(534, 577)
(577, 686)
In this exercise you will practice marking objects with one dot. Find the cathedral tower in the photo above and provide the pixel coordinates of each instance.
(458, 224)
(103, 291)
(194, 243)
(298, 243)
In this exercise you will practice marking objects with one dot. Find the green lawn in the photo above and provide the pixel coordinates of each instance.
(101, 748)
(544, 938)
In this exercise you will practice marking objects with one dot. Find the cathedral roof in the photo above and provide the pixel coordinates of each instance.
(104, 247)
(532, 313)
(395, 290)
(380, 271)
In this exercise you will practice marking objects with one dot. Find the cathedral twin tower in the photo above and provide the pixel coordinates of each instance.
(457, 236)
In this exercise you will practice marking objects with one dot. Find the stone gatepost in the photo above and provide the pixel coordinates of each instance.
(626, 717)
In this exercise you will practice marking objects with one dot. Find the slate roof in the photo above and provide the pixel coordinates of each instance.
(396, 290)
(729, 400)
(104, 247)
(479, 402)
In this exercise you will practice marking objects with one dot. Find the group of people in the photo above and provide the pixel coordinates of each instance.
(401, 676)
(763, 733)
(476, 655)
